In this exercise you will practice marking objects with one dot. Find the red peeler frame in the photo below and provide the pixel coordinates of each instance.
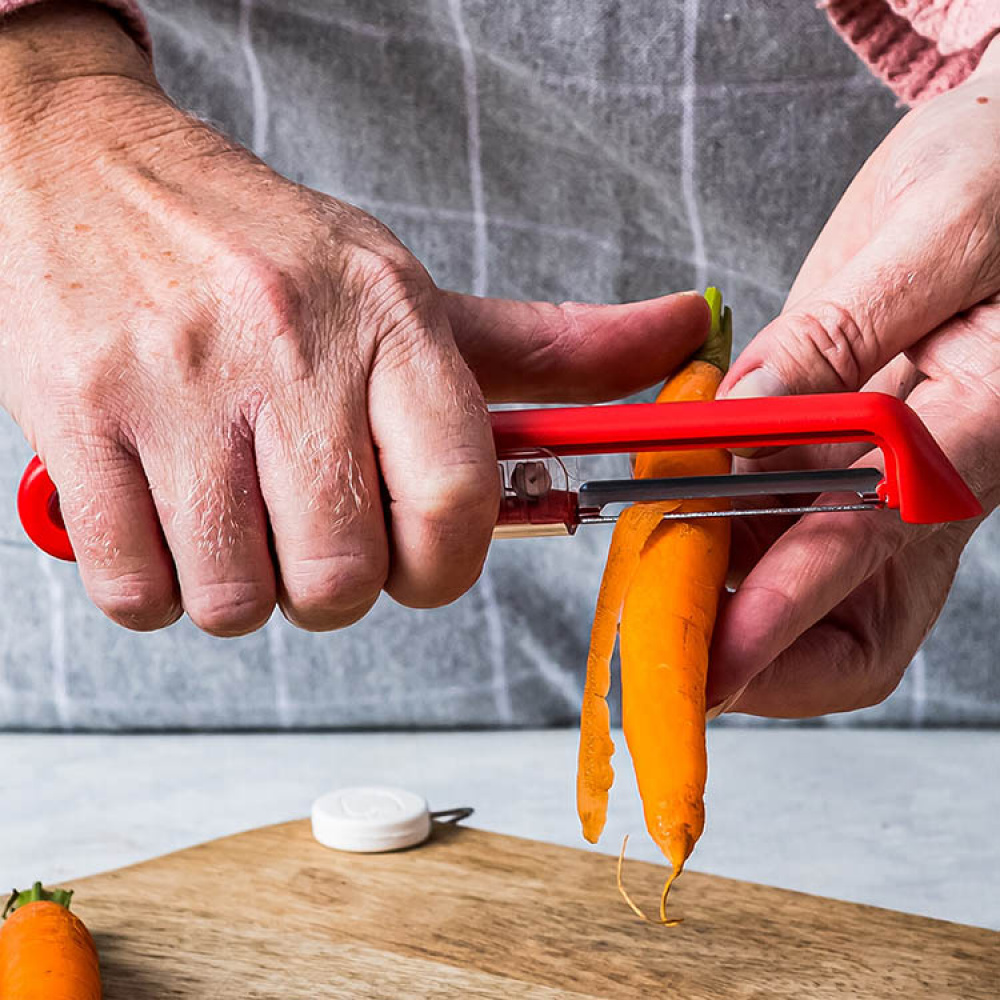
(919, 480)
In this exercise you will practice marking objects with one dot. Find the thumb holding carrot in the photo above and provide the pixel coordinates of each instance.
(912, 245)
(900, 294)
(574, 353)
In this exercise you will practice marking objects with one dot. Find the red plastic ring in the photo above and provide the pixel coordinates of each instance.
(38, 509)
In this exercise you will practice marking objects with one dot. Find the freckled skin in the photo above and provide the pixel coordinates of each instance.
(247, 391)
(243, 285)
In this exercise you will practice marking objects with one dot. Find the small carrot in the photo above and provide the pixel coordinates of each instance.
(662, 580)
(46, 953)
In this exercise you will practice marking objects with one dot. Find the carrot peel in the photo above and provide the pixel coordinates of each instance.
(595, 775)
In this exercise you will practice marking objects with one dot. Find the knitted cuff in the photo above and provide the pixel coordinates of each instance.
(918, 47)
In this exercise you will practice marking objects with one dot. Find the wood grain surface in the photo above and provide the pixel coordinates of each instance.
(270, 913)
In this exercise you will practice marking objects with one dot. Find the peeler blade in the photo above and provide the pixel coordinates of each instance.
(748, 512)
(595, 496)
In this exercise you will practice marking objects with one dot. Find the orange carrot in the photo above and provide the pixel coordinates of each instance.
(662, 580)
(46, 953)
(666, 631)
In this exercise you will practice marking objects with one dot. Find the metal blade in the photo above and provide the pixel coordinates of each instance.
(872, 504)
(594, 496)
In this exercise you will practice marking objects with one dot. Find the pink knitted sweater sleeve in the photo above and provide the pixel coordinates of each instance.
(918, 47)
(127, 10)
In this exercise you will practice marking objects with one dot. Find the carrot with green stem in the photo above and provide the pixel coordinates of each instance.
(662, 582)
(46, 952)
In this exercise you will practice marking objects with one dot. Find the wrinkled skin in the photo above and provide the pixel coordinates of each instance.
(248, 392)
(901, 293)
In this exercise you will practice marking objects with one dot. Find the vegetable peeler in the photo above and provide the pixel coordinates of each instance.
(537, 499)
(918, 480)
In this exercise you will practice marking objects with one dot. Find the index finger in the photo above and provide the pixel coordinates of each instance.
(807, 572)
(824, 558)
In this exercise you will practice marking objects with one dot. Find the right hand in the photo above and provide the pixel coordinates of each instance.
(901, 294)
(246, 391)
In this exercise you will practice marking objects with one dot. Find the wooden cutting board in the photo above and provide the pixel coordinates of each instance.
(270, 913)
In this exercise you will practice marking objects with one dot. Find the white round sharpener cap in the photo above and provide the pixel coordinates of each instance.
(370, 819)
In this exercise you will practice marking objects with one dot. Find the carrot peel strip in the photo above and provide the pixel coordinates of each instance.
(595, 774)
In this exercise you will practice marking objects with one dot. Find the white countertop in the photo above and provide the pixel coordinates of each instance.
(902, 819)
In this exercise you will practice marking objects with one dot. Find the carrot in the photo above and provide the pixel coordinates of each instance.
(662, 580)
(46, 953)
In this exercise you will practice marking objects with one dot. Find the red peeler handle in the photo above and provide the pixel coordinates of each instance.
(919, 480)
(38, 508)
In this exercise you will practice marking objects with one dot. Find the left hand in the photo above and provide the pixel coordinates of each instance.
(900, 294)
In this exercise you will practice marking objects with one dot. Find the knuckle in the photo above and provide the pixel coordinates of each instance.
(88, 383)
(460, 491)
(878, 680)
(438, 590)
(395, 292)
(981, 250)
(832, 343)
(229, 608)
(553, 335)
(456, 513)
(95, 460)
(266, 296)
(136, 601)
(266, 306)
(327, 593)
(181, 351)
(881, 690)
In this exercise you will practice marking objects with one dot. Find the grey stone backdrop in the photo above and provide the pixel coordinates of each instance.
(560, 149)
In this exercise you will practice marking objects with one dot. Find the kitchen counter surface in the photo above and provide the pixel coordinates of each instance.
(902, 819)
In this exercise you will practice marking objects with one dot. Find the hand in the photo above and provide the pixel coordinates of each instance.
(899, 294)
(245, 391)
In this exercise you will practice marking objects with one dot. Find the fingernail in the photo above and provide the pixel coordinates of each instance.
(760, 382)
(755, 385)
(726, 704)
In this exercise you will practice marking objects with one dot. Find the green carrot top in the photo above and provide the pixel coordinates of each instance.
(36, 894)
(718, 347)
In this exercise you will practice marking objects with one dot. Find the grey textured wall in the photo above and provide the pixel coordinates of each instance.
(627, 148)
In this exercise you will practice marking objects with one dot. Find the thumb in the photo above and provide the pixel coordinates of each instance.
(907, 280)
(574, 353)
